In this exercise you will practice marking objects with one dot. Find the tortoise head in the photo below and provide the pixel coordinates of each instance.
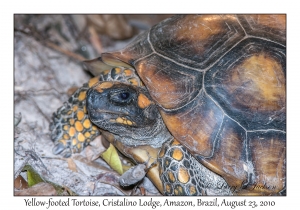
(127, 111)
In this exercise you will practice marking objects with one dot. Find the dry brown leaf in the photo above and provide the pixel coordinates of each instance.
(82, 162)
(97, 143)
(93, 151)
(112, 178)
(115, 26)
(89, 153)
(133, 175)
(20, 183)
(72, 165)
(71, 90)
(37, 190)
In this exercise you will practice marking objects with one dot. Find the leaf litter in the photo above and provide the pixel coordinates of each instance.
(48, 50)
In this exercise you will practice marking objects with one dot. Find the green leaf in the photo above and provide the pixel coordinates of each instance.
(32, 176)
(112, 158)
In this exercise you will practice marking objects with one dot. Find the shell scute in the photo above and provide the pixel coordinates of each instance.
(196, 40)
(249, 84)
(199, 123)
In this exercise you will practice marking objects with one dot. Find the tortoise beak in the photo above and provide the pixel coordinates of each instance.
(93, 101)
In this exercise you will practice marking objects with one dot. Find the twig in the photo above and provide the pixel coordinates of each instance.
(63, 51)
(50, 44)
(94, 39)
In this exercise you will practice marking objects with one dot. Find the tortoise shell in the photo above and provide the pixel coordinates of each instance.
(220, 84)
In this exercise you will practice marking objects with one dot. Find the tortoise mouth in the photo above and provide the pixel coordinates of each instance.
(104, 111)
(103, 114)
(102, 117)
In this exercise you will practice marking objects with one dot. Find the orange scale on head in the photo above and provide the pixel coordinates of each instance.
(82, 96)
(103, 85)
(143, 101)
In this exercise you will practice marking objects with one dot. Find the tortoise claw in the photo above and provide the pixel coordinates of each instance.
(58, 148)
(67, 153)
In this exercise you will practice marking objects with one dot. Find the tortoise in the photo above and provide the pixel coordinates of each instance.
(218, 82)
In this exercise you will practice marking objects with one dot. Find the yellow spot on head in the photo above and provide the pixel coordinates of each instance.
(72, 131)
(183, 175)
(78, 126)
(143, 101)
(80, 115)
(66, 127)
(84, 109)
(78, 146)
(82, 96)
(119, 120)
(133, 81)
(69, 112)
(94, 128)
(103, 85)
(80, 137)
(122, 120)
(93, 81)
(87, 123)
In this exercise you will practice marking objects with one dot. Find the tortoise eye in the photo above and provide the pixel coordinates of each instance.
(124, 95)
(121, 97)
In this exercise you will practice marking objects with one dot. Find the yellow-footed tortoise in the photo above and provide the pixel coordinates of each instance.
(218, 83)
